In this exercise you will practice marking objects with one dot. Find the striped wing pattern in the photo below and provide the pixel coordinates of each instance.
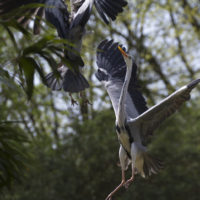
(111, 71)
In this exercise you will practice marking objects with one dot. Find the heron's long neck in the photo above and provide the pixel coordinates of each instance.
(121, 116)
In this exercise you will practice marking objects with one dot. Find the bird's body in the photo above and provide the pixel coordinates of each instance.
(80, 14)
(70, 26)
(134, 122)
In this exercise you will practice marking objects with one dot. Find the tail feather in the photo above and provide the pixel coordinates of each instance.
(68, 80)
(74, 82)
(151, 165)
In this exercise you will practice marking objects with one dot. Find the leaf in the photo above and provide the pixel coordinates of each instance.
(11, 37)
(28, 65)
(15, 25)
(4, 72)
(6, 80)
(12, 155)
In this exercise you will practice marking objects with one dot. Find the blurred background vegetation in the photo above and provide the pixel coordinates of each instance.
(52, 150)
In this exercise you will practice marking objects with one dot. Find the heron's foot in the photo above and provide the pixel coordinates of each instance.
(73, 101)
(85, 101)
(128, 182)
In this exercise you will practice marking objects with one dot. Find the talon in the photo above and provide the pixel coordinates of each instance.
(85, 100)
(81, 94)
(73, 102)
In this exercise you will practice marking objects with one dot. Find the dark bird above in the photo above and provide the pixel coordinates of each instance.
(107, 9)
(69, 25)
(134, 122)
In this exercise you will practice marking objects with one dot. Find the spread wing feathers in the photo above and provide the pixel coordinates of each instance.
(109, 8)
(53, 82)
(75, 5)
(55, 12)
(54, 79)
(151, 119)
(68, 80)
(111, 71)
(106, 9)
(82, 16)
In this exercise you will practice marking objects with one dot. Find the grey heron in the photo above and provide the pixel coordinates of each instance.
(70, 26)
(134, 121)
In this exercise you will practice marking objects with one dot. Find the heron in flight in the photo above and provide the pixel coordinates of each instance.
(69, 25)
(134, 121)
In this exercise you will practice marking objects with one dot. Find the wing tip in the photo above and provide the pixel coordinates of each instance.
(193, 84)
(107, 12)
(106, 44)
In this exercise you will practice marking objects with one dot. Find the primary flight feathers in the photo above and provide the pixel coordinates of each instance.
(153, 117)
(111, 71)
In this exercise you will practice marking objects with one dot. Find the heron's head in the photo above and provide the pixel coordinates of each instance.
(127, 58)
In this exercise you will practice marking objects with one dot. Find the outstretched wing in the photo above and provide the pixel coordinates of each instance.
(55, 12)
(111, 72)
(152, 118)
(69, 81)
(109, 8)
(106, 9)
(82, 14)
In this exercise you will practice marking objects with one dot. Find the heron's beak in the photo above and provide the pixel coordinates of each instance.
(122, 51)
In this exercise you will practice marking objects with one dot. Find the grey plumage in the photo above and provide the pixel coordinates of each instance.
(134, 122)
(152, 118)
(112, 70)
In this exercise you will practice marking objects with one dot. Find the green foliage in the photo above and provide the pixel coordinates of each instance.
(72, 152)
(85, 165)
(28, 54)
(13, 154)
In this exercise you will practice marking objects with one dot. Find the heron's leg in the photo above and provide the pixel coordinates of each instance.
(130, 180)
(123, 159)
(109, 197)
(133, 158)
(73, 101)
